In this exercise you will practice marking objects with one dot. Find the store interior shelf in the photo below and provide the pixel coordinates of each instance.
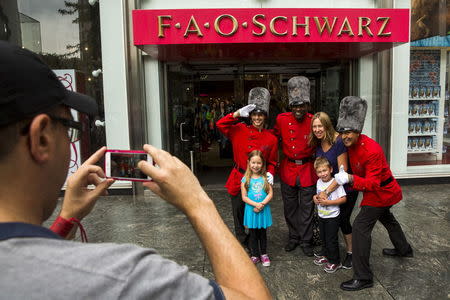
(422, 134)
(424, 99)
(421, 152)
(423, 117)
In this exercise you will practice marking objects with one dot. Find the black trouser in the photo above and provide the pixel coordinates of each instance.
(346, 212)
(257, 241)
(329, 228)
(238, 206)
(298, 211)
(362, 237)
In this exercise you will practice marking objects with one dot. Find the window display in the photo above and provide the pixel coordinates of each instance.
(426, 109)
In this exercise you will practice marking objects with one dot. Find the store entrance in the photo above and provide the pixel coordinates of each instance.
(197, 95)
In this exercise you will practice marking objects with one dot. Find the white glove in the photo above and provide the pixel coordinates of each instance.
(245, 111)
(342, 177)
(269, 178)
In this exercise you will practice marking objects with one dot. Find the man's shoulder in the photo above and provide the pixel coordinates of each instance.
(284, 116)
(369, 145)
(103, 257)
(83, 270)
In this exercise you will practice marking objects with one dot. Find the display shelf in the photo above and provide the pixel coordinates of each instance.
(422, 152)
(424, 99)
(423, 117)
(422, 134)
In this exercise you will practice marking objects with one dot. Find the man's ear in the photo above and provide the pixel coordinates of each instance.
(40, 138)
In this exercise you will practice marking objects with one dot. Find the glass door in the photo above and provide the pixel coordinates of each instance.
(199, 95)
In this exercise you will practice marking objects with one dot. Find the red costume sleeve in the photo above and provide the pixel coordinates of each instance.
(372, 179)
(226, 124)
(276, 131)
(272, 161)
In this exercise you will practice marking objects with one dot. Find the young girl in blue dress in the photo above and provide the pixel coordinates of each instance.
(257, 193)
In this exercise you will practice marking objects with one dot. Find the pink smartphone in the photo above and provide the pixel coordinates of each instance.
(122, 164)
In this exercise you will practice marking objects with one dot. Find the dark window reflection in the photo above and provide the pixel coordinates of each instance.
(67, 36)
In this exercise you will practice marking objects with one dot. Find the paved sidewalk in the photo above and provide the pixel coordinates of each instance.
(424, 215)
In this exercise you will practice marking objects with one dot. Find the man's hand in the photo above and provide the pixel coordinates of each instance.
(78, 199)
(269, 178)
(245, 111)
(342, 177)
(173, 181)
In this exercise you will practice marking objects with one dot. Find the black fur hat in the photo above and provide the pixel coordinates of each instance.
(298, 90)
(352, 113)
(261, 98)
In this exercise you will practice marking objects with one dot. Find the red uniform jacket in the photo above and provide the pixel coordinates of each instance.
(369, 169)
(294, 140)
(244, 139)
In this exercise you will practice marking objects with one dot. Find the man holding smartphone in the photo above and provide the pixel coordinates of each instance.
(36, 129)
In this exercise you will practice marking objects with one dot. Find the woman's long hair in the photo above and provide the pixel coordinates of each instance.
(263, 173)
(330, 133)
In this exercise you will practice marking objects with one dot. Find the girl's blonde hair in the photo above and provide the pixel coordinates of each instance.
(330, 133)
(263, 173)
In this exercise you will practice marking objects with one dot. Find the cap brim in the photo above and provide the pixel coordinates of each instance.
(81, 103)
(257, 110)
(299, 102)
(345, 129)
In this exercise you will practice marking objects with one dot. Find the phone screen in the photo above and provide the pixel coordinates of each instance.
(123, 165)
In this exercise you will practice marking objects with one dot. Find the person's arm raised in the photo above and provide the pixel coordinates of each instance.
(175, 183)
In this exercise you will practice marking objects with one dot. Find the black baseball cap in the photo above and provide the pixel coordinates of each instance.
(29, 87)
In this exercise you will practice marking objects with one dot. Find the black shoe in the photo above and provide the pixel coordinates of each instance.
(308, 250)
(394, 252)
(290, 246)
(347, 264)
(319, 253)
(356, 284)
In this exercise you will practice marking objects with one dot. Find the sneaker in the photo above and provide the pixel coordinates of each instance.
(265, 260)
(331, 268)
(318, 261)
(320, 253)
(347, 264)
(255, 259)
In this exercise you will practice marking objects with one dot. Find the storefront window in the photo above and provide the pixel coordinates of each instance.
(425, 132)
(446, 130)
(66, 34)
(428, 120)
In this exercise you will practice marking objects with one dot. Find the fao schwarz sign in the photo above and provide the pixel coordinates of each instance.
(215, 26)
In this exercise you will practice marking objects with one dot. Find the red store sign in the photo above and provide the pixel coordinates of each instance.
(297, 25)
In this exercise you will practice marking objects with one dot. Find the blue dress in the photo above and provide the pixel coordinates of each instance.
(256, 192)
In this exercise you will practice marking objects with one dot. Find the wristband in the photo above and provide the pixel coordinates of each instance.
(62, 227)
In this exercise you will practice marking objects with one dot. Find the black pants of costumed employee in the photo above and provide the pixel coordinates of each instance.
(329, 228)
(346, 210)
(362, 237)
(238, 207)
(298, 211)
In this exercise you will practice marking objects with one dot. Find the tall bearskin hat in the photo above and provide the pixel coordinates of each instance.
(298, 90)
(261, 98)
(352, 113)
